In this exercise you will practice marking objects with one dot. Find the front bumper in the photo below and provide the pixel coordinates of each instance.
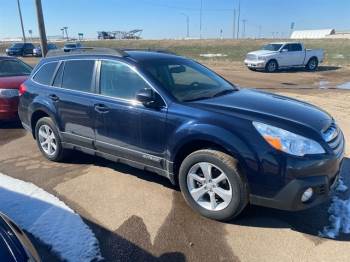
(257, 64)
(319, 174)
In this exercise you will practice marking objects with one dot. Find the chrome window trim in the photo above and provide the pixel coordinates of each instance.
(133, 68)
(130, 101)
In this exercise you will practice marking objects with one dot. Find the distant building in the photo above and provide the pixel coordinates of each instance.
(312, 34)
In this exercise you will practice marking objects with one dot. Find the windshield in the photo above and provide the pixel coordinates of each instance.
(17, 45)
(272, 47)
(187, 80)
(14, 68)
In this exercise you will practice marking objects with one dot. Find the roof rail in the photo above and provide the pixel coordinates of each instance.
(165, 51)
(87, 51)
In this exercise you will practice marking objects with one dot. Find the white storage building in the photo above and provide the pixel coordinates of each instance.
(312, 34)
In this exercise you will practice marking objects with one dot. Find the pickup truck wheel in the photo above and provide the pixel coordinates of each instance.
(212, 185)
(271, 66)
(312, 64)
(48, 140)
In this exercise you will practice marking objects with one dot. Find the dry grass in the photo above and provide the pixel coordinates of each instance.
(337, 50)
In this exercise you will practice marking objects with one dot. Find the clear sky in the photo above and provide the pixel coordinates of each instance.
(164, 19)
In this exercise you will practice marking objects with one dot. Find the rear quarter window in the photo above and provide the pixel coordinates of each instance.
(45, 73)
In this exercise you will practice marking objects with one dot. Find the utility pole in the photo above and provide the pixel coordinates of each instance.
(234, 24)
(239, 17)
(188, 24)
(259, 36)
(62, 29)
(243, 33)
(41, 26)
(200, 20)
(20, 17)
(66, 30)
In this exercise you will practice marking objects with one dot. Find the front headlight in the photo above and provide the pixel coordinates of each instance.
(8, 93)
(288, 142)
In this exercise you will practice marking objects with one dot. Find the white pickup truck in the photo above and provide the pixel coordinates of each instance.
(284, 55)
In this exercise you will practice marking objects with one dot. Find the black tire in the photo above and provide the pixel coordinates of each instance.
(60, 153)
(271, 66)
(312, 65)
(228, 165)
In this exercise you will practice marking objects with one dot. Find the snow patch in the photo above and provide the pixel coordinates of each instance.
(212, 55)
(49, 219)
(344, 86)
(339, 214)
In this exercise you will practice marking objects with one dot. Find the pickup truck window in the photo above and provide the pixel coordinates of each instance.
(293, 47)
(272, 47)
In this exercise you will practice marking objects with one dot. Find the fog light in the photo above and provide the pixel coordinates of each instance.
(308, 193)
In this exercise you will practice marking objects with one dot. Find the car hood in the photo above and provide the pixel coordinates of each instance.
(262, 52)
(12, 81)
(253, 104)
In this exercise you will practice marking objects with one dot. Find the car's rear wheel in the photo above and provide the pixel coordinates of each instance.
(271, 66)
(312, 64)
(48, 139)
(211, 184)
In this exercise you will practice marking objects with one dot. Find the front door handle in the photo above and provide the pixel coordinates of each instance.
(54, 98)
(101, 108)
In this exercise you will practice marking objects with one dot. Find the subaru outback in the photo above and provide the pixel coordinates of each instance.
(224, 146)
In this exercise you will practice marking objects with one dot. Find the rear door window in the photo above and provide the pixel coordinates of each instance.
(45, 73)
(78, 75)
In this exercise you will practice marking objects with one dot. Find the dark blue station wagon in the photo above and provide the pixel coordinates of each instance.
(226, 147)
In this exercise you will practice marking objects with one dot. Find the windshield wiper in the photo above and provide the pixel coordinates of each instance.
(224, 92)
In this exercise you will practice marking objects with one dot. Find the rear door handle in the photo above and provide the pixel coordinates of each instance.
(101, 108)
(54, 98)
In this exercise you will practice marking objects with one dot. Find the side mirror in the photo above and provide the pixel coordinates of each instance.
(147, 97)
(284, 50)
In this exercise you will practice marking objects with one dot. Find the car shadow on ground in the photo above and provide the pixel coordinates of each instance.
(10, 130)
(302, 69)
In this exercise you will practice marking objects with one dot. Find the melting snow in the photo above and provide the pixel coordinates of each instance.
(344, 86)
(213, 55)
(339, 214)
(48, 219)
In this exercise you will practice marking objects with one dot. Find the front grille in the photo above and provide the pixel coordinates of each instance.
(251, 57)
(335, 139)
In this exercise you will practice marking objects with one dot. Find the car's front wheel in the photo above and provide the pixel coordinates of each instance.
(212, 185)
(271, 66)
(48, 139)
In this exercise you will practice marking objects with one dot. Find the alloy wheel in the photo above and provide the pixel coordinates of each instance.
(47, 139)
(209, 186)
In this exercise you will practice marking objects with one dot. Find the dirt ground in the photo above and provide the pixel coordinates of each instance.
(138, 216)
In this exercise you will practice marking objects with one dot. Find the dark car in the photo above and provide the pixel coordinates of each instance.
(225, 146)
(13, 72)
(20, 49)
(37, 50)
(71, 46)
(15, 246)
